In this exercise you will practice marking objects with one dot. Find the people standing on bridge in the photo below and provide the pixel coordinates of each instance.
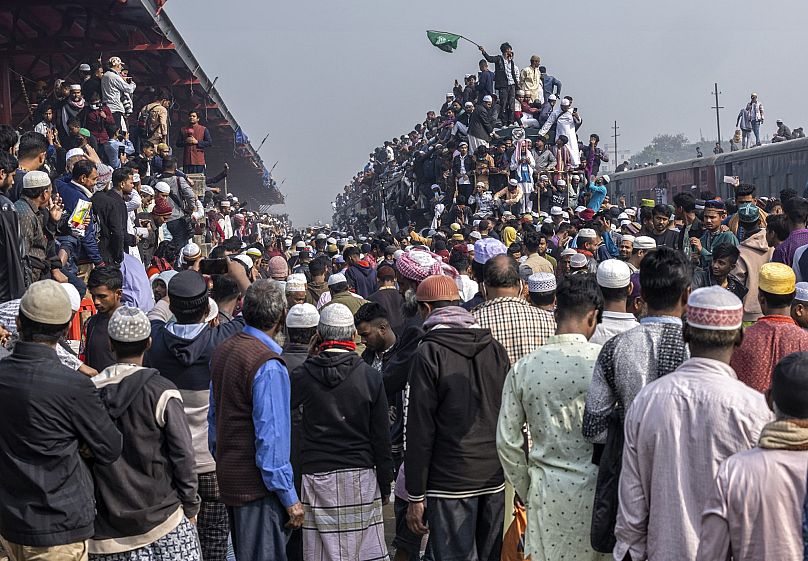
(530, 82)
(114, 88)
(194, 139)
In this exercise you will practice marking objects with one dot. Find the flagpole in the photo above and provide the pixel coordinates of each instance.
(470, 41)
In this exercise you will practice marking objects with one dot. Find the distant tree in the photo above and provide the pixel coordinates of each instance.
(670, 148)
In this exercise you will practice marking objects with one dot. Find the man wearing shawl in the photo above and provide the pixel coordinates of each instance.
(758, 493)
(454, 479)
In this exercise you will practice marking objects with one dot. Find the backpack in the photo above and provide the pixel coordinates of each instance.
(146, 121)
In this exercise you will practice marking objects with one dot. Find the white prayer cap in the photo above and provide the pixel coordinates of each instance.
(628, 238)
(613, 273)
(336, 278)
(555, 211)
(579, 209)
(561, 182)
(568, 251)
(246, 259)
(336, 315)
(552, 97)
(513, 182)
(644, 242)
(566, 215)
(588, 233)
(73, 152)
(622, 216)
(715, 309)
(213, 310)
(625, 223)
(73, 294)
(487, 98)
(146, 190)
(541, 282)
(128, 325)
(547, 220)
(302, 316)
(802, 292)
(296, 282)
(631, 212)
(565, 102)
(475, 235)
(162, 187)
(578, 261)
(35, 179)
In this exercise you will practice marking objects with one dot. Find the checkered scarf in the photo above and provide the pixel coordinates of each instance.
(418, 264)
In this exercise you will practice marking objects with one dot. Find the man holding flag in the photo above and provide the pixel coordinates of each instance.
(506, 77)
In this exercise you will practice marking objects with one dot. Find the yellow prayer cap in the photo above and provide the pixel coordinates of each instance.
(458, 237)
(777, 278)
(649, 203)
(455, 226)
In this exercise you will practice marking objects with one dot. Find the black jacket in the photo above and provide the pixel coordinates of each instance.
(113, 238)
(47, 412)
(481, 124)
(469, 164)
(345, 418)
(500, 67)
(455, 395)
(155, 475)
(12, 285)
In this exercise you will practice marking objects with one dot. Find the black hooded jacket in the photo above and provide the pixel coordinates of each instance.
(154, 476)
(455, 395)
(345, 419)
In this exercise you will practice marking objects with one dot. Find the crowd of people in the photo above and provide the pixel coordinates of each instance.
(628, 382)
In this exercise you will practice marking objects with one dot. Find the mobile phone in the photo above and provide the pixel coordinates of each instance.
(213, 266)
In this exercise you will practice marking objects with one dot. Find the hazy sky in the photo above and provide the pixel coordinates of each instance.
(330, 81)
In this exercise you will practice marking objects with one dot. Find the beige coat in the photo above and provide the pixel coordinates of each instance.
(755, 253)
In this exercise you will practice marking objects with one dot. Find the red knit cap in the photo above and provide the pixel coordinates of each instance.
(161, 207)
(437, 288)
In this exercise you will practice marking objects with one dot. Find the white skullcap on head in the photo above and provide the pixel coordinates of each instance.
(613, 273)
(628, 238)
(336, 315)
(578, 261)
(246, 259)
(162, 187)
(588, 233)
(541, 282)
(75, 297)
(213, 310)
(336, 278)
(146, 190)
(555, 211)
(715, 309)
(802, 292)
(302, 316)
(568, 251)
(73, 152)
(644, 242)
(296, 283)
(128, 325)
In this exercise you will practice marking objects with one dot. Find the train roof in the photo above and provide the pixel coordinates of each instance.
(767, 150)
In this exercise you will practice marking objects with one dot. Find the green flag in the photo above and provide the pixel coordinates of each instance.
(444, 41)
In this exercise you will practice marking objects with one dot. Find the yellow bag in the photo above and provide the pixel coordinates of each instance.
(513, 544)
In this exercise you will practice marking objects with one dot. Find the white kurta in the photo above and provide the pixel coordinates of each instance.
(547, 389)
(678, 430)
(565, 124)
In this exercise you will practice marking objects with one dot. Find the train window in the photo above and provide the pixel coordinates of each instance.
(728, 169)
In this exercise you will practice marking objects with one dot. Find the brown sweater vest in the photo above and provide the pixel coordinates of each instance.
(232, 370)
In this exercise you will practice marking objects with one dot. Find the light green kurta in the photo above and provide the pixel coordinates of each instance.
(547, 389)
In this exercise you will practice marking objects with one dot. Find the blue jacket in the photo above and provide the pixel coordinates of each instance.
(71, 195)
(485, 84)
(362, 277)
(548, 83)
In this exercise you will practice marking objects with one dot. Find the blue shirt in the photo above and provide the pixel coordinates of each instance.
(273, 425)
(598, 193)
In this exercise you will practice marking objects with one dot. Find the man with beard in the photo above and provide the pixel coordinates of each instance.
(74, 107)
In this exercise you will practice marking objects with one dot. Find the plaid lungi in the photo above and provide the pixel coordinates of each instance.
(180, 544)
(343, 516)
(212, 523)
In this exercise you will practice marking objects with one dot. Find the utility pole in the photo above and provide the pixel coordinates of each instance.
(717, 108)
(615, 127)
